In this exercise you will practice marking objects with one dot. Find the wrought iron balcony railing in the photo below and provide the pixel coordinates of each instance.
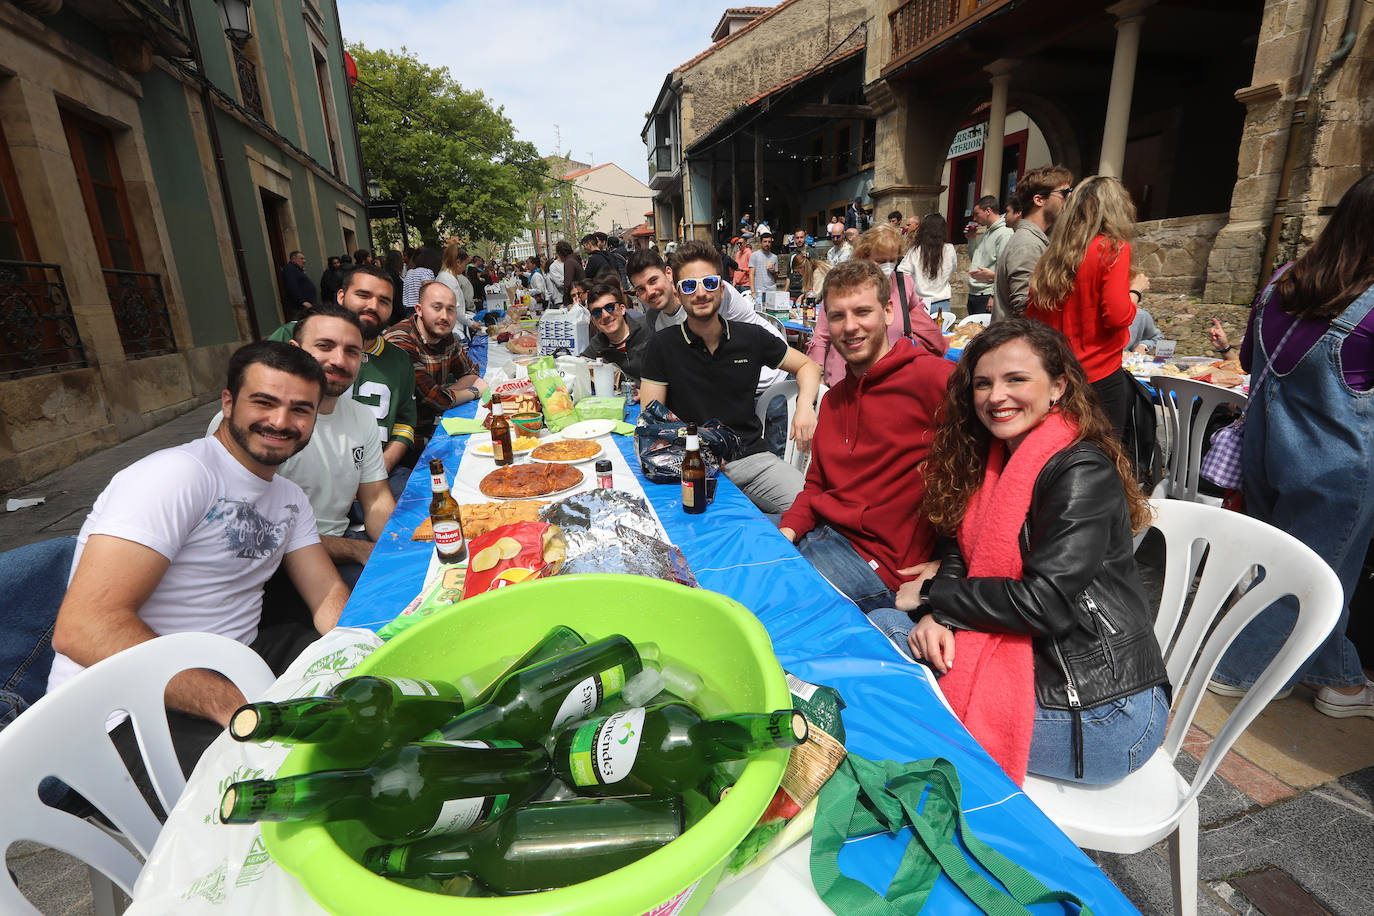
(918, 25)
(140, 313)
(37, 331)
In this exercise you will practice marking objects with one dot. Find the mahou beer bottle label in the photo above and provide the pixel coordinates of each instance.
(587, 696)
(437, 483)
(689, 494)
(603, 751)
(448, 535)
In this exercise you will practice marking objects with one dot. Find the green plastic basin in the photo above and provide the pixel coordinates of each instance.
(710, 633)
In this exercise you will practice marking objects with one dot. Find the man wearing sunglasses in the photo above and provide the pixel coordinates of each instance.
(1042, 193)
(840, 248)
(709, 367)
(618, 338)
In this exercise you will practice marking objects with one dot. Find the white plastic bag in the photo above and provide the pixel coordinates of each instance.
(200, 866)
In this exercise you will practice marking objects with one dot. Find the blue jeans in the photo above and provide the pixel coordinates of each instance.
(1118, 737)
(36, 576)
(836, 559)
(775, 426)
(938, 308)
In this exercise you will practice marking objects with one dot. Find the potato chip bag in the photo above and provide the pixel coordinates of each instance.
(553, 394)
(513, 553)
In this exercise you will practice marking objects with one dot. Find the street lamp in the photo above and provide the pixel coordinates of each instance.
(374, 189)
(233, 15)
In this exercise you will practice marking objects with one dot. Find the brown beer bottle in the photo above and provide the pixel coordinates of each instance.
(500, 434)
(449, 542)
(693, 475)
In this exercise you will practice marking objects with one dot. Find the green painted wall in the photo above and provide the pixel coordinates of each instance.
(186, 209)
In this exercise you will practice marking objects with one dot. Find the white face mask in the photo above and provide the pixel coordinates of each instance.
(887, 267)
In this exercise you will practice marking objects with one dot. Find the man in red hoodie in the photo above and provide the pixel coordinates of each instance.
(858, 519)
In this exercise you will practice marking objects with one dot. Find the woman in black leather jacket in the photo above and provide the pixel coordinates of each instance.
(1037, 503)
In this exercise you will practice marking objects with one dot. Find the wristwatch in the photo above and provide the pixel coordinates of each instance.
(924, 594)
(475, 393)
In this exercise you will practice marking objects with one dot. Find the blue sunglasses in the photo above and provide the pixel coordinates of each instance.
(689, 285)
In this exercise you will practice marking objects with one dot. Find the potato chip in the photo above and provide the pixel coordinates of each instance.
(485, 559)
(507, 547)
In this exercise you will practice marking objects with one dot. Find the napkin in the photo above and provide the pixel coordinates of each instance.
(462, 426)
(623, 429)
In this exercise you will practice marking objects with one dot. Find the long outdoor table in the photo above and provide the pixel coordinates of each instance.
(893, 710)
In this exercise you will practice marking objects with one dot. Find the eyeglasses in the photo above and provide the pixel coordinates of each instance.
(688, 285)
(1063, 192)
(606, 310)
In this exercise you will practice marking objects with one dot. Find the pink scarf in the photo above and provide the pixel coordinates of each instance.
(992, 689)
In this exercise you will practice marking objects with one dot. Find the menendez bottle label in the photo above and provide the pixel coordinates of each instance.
(587, 697)
(414, 687)
(603, 751)
(459, 815)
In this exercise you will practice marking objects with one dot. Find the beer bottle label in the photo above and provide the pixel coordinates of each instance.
(587, 697)
(413, 687)
(459, 815)
(498, 449)
(447, 535)
(437, 483)
(603, 751)
(689, 494)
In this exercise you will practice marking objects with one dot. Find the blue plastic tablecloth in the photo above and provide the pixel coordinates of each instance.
(819, 635)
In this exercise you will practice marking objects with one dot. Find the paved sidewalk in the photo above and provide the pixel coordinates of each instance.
(1287, 823)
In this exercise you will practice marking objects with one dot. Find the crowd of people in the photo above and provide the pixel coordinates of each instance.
(981, 513)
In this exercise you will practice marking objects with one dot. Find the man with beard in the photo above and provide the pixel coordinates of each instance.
(184, 539)
(616, 337)
(343, 460)
(386, 381)
(858, 518)
(709, 366)
(445, 376)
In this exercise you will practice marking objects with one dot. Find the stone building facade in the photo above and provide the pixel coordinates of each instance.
(155, 174)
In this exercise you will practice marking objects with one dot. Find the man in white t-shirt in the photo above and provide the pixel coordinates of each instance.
(763, 267)
(343, 460)
(184, 539)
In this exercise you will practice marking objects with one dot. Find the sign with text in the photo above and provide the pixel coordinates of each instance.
(968, 140)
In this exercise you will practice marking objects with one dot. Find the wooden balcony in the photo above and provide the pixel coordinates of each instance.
(920, 25)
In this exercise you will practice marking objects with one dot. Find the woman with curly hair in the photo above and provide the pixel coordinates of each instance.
(1036, 593)
(1082, 286)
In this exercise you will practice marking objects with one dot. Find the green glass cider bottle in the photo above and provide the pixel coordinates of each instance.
(356, 718)
(412, 791)
(531, 703)
(541, 846)
(664, 749)
(558, 641)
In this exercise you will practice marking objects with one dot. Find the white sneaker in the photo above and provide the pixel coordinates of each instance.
(1227, 690)
(1339, 706)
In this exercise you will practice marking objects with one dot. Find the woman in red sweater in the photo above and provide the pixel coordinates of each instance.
(1082, 287)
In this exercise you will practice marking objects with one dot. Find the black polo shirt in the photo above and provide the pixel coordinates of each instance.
(703, 385)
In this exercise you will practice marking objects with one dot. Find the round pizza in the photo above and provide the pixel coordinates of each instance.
(523, 481)
(567, 450)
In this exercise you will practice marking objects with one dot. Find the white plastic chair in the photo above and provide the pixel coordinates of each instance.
(63, 735)
(1156, 801)
(984, 319)
(1188, 404)
(788, 388)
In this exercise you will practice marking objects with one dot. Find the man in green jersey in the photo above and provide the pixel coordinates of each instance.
(386, 382)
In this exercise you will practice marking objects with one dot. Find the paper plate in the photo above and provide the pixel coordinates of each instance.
(600, 450)
(587, 429)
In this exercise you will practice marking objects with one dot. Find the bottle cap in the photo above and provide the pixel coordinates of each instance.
(603, 466)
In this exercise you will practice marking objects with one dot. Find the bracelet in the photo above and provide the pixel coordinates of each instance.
(475, 393)
(1138, 296)
(924, 593)
(1226, 349)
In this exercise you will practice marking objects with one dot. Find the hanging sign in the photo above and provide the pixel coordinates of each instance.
(968, 140)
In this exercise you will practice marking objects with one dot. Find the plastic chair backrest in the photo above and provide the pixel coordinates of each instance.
(64, 735)
(787, 388)
(1188, 405)
(1232, 546)
(776, 322)
(984, 319)
(35, 580)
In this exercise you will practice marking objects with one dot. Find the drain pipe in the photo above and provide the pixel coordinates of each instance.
(1351, 31)
(208, 109)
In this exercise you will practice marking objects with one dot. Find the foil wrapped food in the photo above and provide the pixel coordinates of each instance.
(611, 531)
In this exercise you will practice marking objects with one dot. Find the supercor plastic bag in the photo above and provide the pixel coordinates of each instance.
(201, 867)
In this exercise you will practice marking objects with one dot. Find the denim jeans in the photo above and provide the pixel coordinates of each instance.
(1308, 467)
(37, 578)
(979, 303)
(837, 560)
(939, 308)
(1118, 737)
(775, 426)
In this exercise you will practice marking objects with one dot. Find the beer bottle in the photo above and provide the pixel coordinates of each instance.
(501, 449)
(541, 846)
(529, 704)
(356, 718)
(693, 475)
(449, 542)
(558, 641)
(416, 790)
(664, 749)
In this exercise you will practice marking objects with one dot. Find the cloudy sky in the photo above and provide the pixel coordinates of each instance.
(591, 68)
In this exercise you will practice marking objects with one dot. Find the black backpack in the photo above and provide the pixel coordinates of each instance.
(1138, 437)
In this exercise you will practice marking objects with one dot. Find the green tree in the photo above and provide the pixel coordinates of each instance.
(445, 152)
